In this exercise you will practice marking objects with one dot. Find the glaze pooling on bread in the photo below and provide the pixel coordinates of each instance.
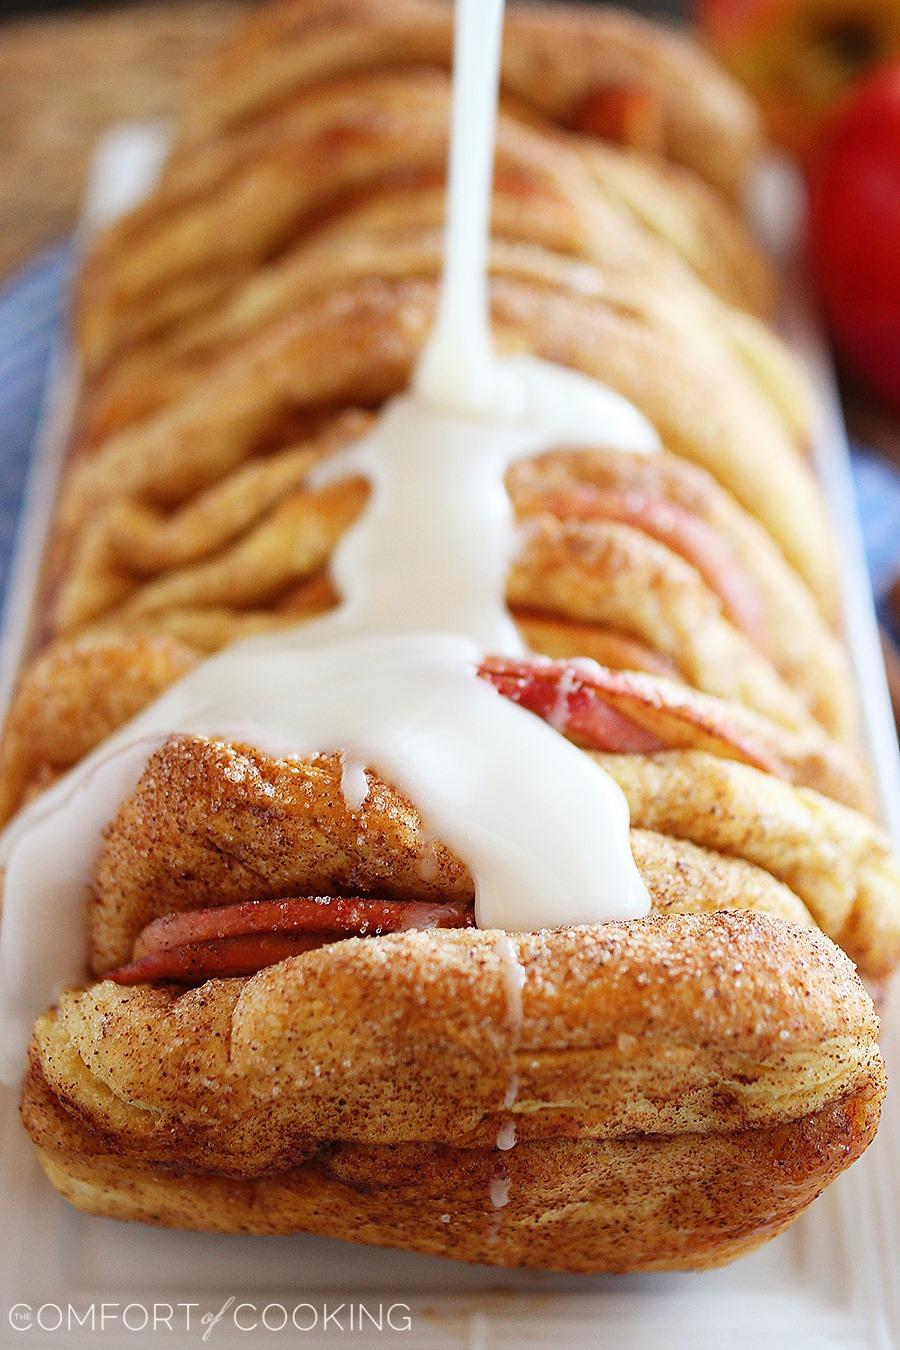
(716, 1063)
(360, 345)
(390, 678)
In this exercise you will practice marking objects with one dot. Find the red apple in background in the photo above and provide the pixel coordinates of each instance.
(799, 56)
(854, 230)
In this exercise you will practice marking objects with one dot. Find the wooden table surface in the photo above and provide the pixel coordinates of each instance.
(64, 77)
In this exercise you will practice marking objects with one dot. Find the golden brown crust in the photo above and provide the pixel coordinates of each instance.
(243, 543)
(671, 1024)
(582, 246)
(279, 827)
(195, 243)
(611, 574)
(789, 629)
(282, 827)
(80, 691)
(553, 59)
(838, 862)
(75, 695)
(359, 345)
(374, 1057)
(692, 1203)
(684, 878)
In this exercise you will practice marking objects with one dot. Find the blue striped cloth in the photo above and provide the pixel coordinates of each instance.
(31, 308)
(30, 318)
(878, 502)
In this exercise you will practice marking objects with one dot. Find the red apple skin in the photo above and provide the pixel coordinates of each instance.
(854, 230)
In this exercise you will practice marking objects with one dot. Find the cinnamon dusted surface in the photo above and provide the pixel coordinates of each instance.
(678, 1100)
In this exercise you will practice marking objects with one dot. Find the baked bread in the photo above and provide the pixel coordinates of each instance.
(679, 1100)
(289, 1021)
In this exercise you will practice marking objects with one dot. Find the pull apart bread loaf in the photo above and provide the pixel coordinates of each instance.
(291, 1022)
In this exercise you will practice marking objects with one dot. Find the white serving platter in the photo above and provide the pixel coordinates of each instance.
(829, 1282)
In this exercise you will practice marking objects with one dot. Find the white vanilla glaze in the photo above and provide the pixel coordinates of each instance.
(513, 983)
(499, 1191)
(388, 679)
(513, 975)
(543, 830)
(506, 1135)
(354, 783)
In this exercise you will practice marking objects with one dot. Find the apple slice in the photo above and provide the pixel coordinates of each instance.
(241, 939)
(568, 695)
